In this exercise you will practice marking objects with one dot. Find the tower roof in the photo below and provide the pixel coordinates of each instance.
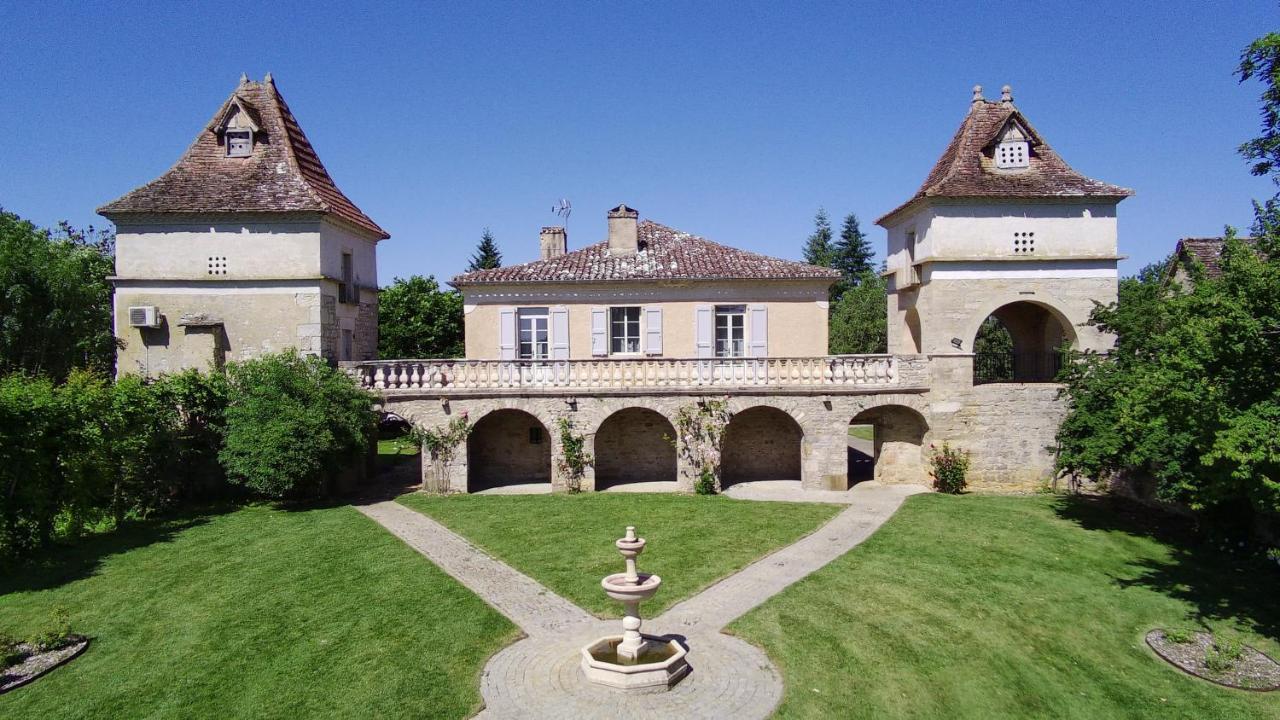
(967, 168)
(283, 174)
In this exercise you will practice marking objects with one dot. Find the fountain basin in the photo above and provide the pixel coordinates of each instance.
(660, 666)
(618, 587)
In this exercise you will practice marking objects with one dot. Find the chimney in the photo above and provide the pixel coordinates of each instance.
(553, 242)
(623, 231)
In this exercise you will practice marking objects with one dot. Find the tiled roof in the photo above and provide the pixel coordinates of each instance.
(283, 175)
(1207, 250)
(967, 167)
(665, 254)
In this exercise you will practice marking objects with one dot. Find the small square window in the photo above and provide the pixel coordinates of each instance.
(1012, 154)
(535, 436)
(239, 143)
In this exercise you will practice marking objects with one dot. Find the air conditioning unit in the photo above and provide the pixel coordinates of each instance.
(147, 316)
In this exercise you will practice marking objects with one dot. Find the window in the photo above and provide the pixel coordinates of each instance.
(624, 330)
(1012, 154)
(535, 436)
(346, 288)
(533, 334)
(731, 337)
(348, 345)
(239, 143)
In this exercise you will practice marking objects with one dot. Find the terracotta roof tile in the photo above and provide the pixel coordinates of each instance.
(1207, 250)
(967, 166)
(665, 254)
(283, 175)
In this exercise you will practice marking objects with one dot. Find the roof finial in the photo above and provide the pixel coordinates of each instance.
(1006, 95)
(269, 80)
(244, 78)
(977, 93)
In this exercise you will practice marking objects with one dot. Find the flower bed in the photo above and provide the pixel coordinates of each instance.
(38, 662)
(1248, 670)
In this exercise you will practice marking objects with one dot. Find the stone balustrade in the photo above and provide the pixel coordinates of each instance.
(834, 372)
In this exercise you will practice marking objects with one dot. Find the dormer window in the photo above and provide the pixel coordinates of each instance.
(1012, 149)
(239, 143)
(1012, 154)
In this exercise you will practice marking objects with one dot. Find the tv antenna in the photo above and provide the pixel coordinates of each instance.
(563, 209)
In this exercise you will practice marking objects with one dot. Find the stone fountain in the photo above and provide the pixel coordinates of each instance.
(633, 662)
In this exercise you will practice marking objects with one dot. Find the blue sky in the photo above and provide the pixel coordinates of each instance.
(731, 121)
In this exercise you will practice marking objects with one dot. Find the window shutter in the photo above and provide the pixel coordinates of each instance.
(704, 330)
(507, 334)
(653, 330)
(599, 332)
(759, 332)
(560, 333)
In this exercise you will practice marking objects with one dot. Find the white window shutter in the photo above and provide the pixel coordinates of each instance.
(704, 319)
(759, 332)
(653, 329)
(599, 332)
(507, 333)
(560, 333)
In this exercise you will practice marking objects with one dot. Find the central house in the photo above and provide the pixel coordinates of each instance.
(648, 291)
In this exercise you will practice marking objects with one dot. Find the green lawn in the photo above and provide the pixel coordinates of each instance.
(254, 613)
(392, 451)
(1012, 607)
(863, 432)
(566, 541)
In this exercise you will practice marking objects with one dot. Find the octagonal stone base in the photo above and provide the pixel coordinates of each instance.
(641, 678)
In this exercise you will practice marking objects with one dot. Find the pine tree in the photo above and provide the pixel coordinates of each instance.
(487, 256)
(852, 252)
(818, 249)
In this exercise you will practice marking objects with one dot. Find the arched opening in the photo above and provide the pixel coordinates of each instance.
(886, 443)
(761, 443)
(1021, 342)
(633, 449)
(509, 449)
(913, 331)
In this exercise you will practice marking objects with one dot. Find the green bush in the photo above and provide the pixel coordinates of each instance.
(293, 425)
(949, 467)
(1180, 636)
(56, 632)
(10, 653)
(1223, 655)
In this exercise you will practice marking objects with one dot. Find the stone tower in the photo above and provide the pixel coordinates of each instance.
(244, 246)
(1002, 232)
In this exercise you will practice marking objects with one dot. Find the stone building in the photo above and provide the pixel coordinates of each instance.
(1203, 253)
(617, 336)
(244, 246)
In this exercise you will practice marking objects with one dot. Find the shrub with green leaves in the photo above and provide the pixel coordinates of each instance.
(56, 633)
(293, 425)
(1180, 636)
(948, 468)
(10, 651)
(1223, 654)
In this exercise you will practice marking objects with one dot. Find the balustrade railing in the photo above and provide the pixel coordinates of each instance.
(627, 374)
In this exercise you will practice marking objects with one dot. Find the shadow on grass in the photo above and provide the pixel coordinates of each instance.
(1220, 586)
(77, 559)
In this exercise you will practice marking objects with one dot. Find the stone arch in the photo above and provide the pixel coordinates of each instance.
(508, 446)
(633, 445)
(1050, 304)
(914, 342)
(1030, 333)
(897, 446)
(762, 442)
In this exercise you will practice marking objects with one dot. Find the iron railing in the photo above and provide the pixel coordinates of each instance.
(1016, 367)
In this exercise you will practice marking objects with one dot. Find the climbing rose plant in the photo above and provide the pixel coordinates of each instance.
(574, 459)
(700, 432)
(441, 445)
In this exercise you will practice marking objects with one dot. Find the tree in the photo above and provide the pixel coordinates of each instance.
(851, 254)
(416, 319)
(487, 256)
(818, 249)
(1189, 398)
(1262, 60)
(859, 318)
(55, 299)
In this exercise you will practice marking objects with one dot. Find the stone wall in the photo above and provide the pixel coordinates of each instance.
(366, 332)
(508, 447)
(632, 446)
(761, 443)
